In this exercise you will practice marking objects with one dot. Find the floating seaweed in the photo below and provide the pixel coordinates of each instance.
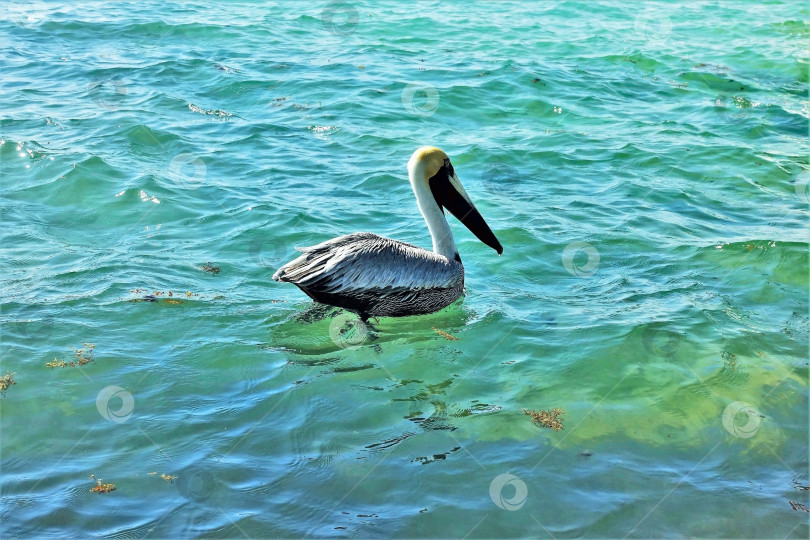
(444, 334)
(80, 357)
(6, 381)
(729, 361)
(211, 269)
(798, 506)
(801, 487)
(85, 354)
(548, 419)
(56, 363)
(101, 487)
(157, 295)
(167, 477)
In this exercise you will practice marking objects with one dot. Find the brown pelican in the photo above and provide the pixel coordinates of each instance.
(375, 276)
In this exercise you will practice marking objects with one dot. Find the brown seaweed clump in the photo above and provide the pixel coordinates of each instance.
(798, 506)
(156, 296)
(102, 488)
(81, 357)
(168, 477)
(210, 268)
(548, 419)
(6, 381)
(444, 334)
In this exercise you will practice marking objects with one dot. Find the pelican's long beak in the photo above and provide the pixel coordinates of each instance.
(449, 193)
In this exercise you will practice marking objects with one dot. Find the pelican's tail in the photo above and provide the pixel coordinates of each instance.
(314, 260)
(296, 269)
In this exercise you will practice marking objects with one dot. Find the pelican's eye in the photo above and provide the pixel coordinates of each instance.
(449, 167)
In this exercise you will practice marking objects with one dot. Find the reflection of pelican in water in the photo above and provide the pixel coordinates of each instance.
(375, 276)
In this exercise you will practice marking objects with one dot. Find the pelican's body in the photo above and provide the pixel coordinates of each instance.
(375, 276)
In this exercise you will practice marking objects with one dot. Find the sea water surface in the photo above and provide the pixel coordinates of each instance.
(643, 164)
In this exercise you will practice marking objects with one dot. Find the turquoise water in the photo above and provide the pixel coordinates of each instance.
(644, 166)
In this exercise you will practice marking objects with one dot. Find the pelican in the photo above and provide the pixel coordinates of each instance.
(375, 276)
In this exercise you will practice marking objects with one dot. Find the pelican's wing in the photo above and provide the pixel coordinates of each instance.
(363, 261)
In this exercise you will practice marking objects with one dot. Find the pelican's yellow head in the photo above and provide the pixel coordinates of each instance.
(431, 168)
(431, 159)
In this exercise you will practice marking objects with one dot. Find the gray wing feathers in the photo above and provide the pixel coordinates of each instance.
(362, 261)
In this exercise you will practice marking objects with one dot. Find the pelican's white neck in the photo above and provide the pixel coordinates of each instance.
(440, 232)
